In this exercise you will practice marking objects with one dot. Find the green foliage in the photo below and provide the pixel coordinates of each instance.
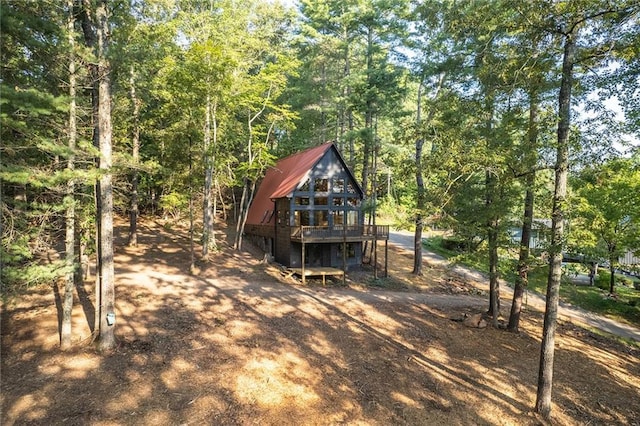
(606, 216)
(603, 279)
(174, 204)
(391, 212)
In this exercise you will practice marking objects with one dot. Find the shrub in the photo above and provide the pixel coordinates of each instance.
(625, 281)
(173, 204)
(602, 280)
(454, 244)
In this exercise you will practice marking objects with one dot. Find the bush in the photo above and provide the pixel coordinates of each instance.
(173, 204)
(454, 244)
(602, 280)
(625, 281)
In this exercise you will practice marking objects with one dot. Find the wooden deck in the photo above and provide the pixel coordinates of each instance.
(316, 271)
(339, 233)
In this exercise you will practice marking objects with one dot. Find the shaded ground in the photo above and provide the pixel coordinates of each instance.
(534, 300)
(240, 344)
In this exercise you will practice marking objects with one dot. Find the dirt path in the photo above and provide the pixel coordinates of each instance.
(404, 240)
(239, 344)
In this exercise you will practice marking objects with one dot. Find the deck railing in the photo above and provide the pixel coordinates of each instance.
(340, 231)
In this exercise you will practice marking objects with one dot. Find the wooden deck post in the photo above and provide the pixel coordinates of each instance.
(344, 253)
(375, 252)
(386, 257)
(302, 240)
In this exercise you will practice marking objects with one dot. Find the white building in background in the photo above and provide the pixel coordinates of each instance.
(540, 234)
(629, 259)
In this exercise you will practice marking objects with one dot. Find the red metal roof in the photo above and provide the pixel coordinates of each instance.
(281, 180)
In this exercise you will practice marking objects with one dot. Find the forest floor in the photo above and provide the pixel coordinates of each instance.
(239, 343)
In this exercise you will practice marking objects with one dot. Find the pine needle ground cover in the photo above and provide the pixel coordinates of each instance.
(241, 344)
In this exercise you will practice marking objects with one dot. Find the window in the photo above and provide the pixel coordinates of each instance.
(302, 201)
(352, 218)
(351, 251)
(321, 185)
(353, 202)
(338, 218)
(338, 201)
(321, 218)
(321, 201)
(338, 186)
(301, 218)
(350, 188)
(305, 186)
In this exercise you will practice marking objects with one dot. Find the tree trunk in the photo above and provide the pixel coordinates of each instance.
(491, 188)
(347, 91)
(214, 187)
(107, 275)
(237, 244)
(420, 202)
(192, 253)
(207, 219)
(545, 372)
(368, 119)
(135, 157)
(522, 278)
(492, 237)
(612, 275)
(417, 240)
(89, 32)
(70, 215)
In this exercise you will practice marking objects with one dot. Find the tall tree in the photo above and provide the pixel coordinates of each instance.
(71, 255)
(607, 215)
(96, 29)
(588, 31)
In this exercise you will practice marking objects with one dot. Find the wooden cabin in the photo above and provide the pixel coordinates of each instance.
(307, 212)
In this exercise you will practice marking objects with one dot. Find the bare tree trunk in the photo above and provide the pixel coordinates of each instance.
(192, 253)
(208, 183)
(347, 91)
(219, 193)
(522, 278)
(238, 239)
(545, 372)
(70, 215)
(135, 156)
(493, 221)
(492, 234)
(107, 275)
(214, 187)
(89, 31)
(367, 158)
(249, 188)
(612, 270)
(420, 202)
(417, 239)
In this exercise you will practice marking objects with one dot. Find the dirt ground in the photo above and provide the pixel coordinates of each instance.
(239, 343)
